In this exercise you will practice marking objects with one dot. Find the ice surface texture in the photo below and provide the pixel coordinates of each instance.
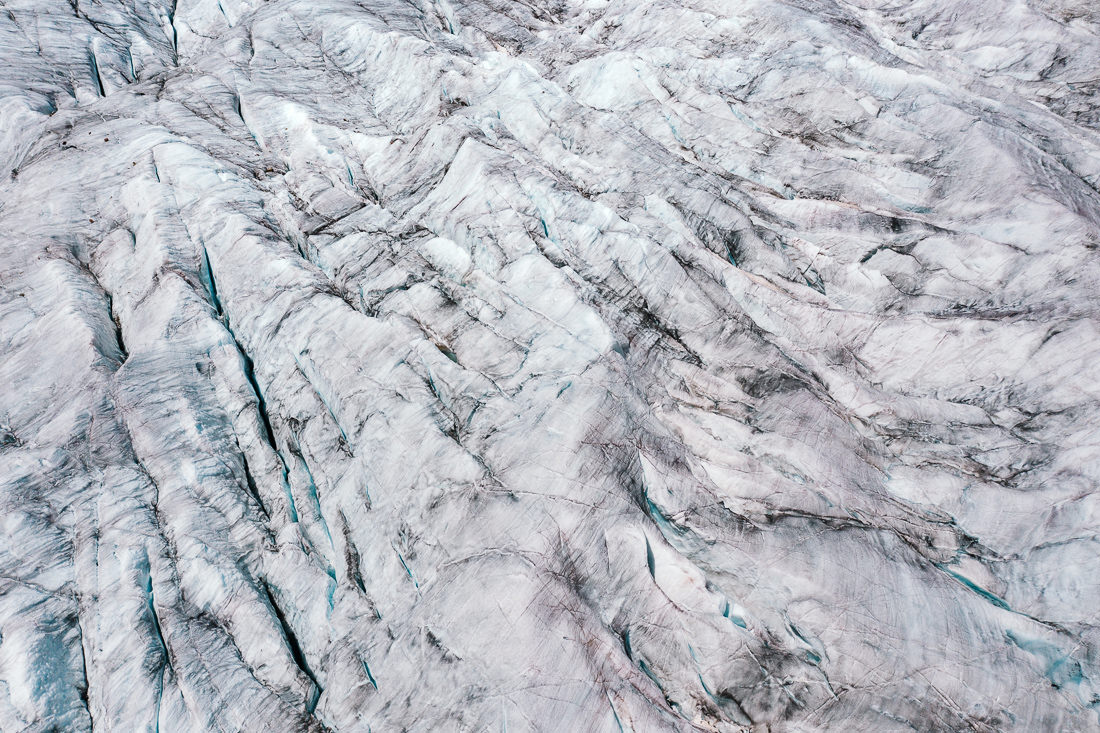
(620, 365)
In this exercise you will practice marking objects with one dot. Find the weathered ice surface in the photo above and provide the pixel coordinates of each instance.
(563, 365)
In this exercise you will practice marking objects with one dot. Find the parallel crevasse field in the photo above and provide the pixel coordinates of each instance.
(487, 365)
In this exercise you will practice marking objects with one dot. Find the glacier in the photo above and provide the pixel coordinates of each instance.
(549, 365)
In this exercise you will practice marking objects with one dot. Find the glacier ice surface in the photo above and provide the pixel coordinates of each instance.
(557, 365)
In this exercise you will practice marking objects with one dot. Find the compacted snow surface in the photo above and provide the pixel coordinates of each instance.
(606, 365)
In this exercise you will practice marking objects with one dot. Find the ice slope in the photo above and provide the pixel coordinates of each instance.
(378, 365)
